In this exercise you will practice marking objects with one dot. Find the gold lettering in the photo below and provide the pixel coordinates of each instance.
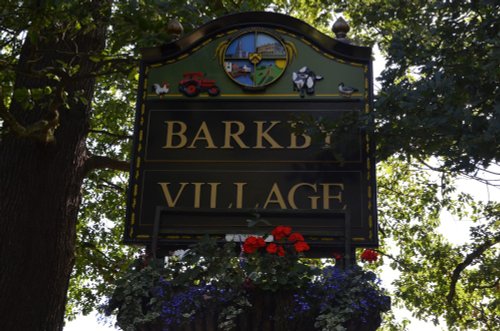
(305, 144)
(213, 194)
(168, 197)
(180, 134)
(314, 201)
(233, 135)
(239, 194)
(326, 193)
(197, 194)
(293, 190)
(203, 134)
(328, 140)
(264, 134)
(275, 196)
(293, 139)
(328, 136)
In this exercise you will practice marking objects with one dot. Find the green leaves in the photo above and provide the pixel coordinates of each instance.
(440, 86)
(439, 99)
(412, 201)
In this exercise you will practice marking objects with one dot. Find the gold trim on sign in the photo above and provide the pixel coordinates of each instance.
(307, 42)
(132, 223)
(360, 65)
(206, 42)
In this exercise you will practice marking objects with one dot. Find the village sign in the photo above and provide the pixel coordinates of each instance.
(215, 146)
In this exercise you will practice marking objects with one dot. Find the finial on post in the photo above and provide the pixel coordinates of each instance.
(341, 28)
(175, 29)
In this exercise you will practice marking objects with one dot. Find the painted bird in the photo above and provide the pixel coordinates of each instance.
(160, 90)
(347, 90)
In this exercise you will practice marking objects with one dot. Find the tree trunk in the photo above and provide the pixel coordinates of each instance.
(40, 186)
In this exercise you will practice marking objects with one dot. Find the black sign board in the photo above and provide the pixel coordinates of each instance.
(215, 145)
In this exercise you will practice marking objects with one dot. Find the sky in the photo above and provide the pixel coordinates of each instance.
(458, 235)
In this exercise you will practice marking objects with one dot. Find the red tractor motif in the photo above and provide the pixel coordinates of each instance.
(193, 83)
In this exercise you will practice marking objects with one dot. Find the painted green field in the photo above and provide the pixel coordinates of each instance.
(265, 75)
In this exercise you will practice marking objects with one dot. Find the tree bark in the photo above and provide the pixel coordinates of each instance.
(40, 186)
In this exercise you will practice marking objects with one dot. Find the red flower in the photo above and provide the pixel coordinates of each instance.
(261, 242)
(337, 255)
(249, 249)
(281, 251)
(252, 244)
(369, 255)
(301, 246)
(295, 237)
(272, 248)
(281, 232)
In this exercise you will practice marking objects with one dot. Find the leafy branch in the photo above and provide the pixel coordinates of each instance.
(112, 134)
(474, 176)
(42, 130)
(402, 264)
(108, 184)
(107, 266)
(467, 262)
(95, 162)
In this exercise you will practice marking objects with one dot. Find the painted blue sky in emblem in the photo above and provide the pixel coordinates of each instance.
(242, 46)
(264, 39)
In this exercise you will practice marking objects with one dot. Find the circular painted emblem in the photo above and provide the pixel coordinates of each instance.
(255, 59)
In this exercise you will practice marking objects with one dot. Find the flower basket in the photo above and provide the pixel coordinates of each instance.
(274, 311)
(258, 286)
(271, 311)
